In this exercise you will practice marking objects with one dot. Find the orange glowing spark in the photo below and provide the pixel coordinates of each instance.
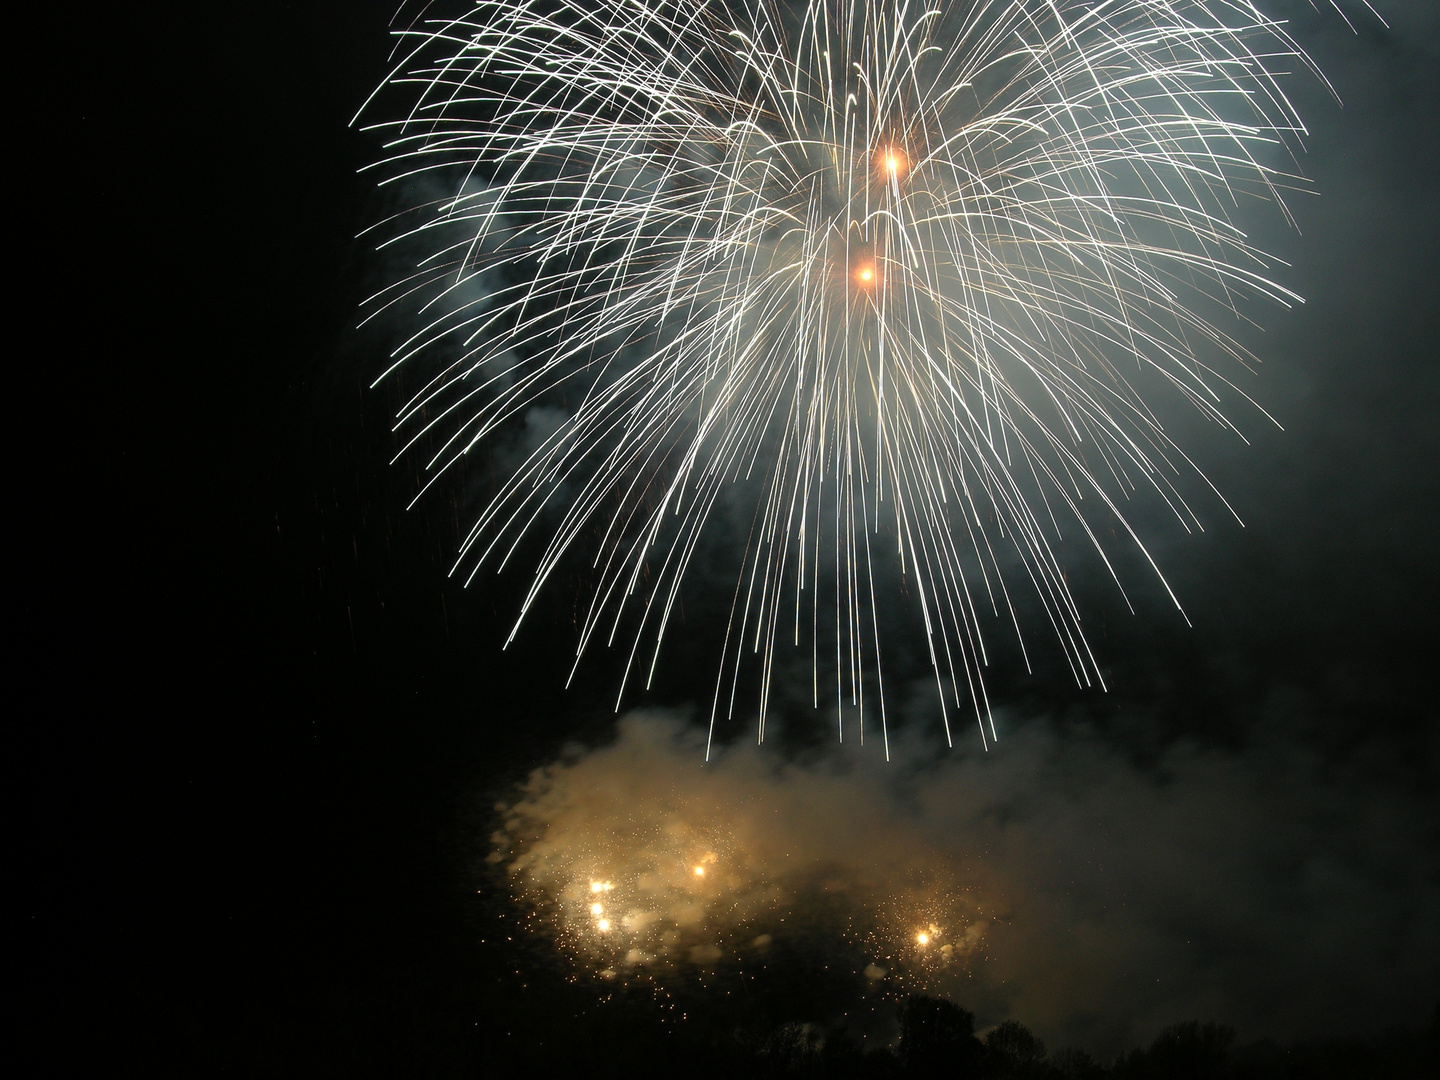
(895, 163)
(699, 871)
(923, 938)
(603, 925)
(596, 909)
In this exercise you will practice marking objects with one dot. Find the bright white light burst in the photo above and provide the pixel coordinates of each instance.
(912, 278)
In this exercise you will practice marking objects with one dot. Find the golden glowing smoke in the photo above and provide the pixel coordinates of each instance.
(701, 876)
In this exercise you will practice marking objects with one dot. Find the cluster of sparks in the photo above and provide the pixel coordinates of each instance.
(629, 896)
(656, 896)
(910, 277)
(920, 933)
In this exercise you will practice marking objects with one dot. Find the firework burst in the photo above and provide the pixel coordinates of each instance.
(911, 278)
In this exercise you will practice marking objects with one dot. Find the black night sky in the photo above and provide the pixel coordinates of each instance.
(296, 727)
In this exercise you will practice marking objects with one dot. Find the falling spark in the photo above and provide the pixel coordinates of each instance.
(637, 217)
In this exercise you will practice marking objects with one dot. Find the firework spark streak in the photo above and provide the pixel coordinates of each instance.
(912, 276)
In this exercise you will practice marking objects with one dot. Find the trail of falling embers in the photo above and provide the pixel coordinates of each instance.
(912, 278)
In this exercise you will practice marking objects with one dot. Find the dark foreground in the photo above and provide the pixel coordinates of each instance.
(937, 1038)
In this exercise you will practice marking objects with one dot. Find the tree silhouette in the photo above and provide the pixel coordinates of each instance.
(1072, 1063)
(1014, 1052)
(937, 1038)
(1188, 1051)
(794, 1049)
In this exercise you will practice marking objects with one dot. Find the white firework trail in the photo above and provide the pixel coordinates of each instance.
(909, 273)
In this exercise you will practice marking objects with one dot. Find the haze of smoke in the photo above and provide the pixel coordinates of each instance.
(1092, 898)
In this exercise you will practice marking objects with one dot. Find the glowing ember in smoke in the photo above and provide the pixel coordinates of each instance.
(700, 878)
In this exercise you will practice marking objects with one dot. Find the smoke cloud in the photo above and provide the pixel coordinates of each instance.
(1055, 879)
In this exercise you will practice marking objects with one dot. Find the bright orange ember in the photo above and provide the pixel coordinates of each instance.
(894, 163)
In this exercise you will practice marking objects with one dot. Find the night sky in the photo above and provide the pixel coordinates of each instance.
(298, 728)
